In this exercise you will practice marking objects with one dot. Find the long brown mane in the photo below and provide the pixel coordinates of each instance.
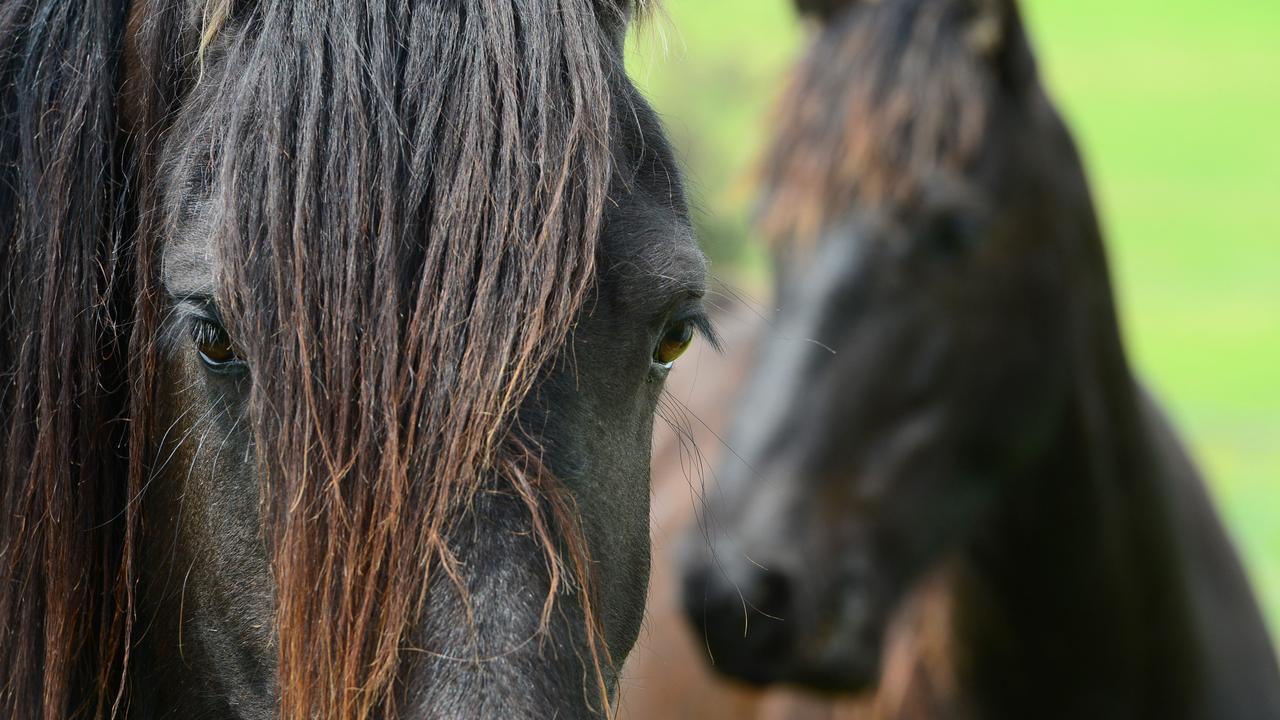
(408, 199)
(64, 285)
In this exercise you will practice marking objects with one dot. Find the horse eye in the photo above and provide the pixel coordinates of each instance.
(675, 340)
(953, 234)
(213, 344)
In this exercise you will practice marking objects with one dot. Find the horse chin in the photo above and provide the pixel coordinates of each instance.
(849, 664)
(750, 666)
(844, 674)
(839, 664)
(840, 652)
(855, 677)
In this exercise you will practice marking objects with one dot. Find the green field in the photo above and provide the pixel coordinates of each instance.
(1176, 106)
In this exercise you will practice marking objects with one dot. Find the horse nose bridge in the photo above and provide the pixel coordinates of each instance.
(768, 518)
(786, 385)
(785, 422)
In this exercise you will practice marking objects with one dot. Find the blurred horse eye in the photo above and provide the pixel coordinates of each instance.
(675, 340)
(953, 234)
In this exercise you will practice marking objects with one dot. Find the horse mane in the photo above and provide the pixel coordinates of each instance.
(890, 92)
(408, 199)
(64, 303)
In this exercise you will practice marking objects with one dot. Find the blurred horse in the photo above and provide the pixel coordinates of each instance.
(943, 426)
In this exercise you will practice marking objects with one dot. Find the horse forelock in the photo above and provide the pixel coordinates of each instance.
(409, 200)
(891, 93)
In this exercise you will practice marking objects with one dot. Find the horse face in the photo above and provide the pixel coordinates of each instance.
(915, 366)
(593, 410)
(588, 418)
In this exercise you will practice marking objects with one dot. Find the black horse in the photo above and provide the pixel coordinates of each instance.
(946, 396)
(331, 336)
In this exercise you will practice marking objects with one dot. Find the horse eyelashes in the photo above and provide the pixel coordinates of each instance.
(675, 340)
(214, 345)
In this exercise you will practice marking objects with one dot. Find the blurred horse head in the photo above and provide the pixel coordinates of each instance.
(919, 355)
(945, 391)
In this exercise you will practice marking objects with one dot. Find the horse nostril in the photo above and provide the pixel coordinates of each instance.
(772, 595)
(742, 618)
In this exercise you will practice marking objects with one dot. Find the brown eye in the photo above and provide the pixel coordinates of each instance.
(215, 347)
(675, 340)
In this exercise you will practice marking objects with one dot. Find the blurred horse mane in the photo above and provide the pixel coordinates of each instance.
(869, 114)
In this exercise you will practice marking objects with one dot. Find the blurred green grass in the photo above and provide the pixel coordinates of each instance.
(1176, 107)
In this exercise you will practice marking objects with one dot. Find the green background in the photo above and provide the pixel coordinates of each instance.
(1176, 106)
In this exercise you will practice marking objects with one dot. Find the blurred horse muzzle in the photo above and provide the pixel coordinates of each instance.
(760, 622)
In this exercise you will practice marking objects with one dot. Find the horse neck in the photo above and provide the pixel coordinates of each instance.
(1072, 602)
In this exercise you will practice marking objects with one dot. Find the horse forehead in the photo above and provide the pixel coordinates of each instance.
(681, 262)
(189, 264)
(664, 254)
(659, 254)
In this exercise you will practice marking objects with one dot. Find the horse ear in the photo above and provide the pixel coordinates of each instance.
(996, 33)
(826, 10)
(616, 16)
